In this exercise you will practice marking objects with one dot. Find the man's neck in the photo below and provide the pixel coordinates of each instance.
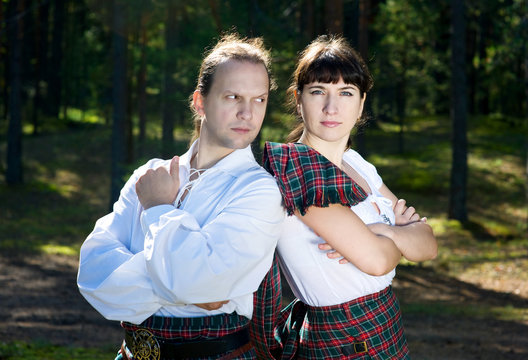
(206, 155)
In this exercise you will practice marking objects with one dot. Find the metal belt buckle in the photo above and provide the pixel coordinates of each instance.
(146, 346)
(360, 347)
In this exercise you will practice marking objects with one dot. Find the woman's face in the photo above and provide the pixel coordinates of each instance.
(330, 111)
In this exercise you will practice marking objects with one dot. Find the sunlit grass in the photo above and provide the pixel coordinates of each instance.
(478, 311)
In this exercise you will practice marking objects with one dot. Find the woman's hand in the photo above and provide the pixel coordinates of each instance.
(405, 215)
(332, 253)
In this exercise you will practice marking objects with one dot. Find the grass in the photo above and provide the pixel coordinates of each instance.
(67, 189)
(44, 351)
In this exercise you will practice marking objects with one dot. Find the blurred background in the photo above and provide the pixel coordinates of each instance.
(91, 89)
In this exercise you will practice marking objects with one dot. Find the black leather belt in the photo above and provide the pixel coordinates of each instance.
(145, 346)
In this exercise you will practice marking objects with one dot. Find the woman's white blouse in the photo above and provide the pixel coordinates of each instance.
(318, 280)
(218, 245)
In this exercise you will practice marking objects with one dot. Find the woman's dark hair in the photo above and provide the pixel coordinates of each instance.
(229, 47)
(326, 60)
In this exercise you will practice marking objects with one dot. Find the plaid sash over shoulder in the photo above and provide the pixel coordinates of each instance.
(307, 178)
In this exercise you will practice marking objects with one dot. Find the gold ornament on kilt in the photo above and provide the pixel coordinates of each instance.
(146, 347)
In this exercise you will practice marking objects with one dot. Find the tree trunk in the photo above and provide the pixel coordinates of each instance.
(55, 70)
(307, 20)
(213, 4)
(142, 85)
(5, 62)
(363, 44)
(14, 138)
(119, 47)
(457, 194)
(169, 88)
(525, 52)
(334, 16)
(41, 43)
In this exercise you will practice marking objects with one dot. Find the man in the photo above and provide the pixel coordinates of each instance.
(193, 230)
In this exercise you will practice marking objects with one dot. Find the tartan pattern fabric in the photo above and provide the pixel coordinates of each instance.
(249, 355)
(267, 302)
(192, 329)
(307, 178)
(195, 328)
(329, 332)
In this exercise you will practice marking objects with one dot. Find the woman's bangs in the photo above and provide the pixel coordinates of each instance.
(330, 69)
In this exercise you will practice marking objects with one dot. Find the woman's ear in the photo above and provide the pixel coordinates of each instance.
(198, 103)
(362, 104)
(297, 101)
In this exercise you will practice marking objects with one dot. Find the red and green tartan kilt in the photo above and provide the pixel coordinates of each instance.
(334, 332)
(267, 303)
(193, 329)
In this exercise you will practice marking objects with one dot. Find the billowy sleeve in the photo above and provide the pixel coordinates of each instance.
(224, 258)
(112, 276)
(179, 262)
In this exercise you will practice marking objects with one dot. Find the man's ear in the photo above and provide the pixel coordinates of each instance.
(198, 103)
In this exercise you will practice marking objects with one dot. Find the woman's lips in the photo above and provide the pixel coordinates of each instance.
(330, 124)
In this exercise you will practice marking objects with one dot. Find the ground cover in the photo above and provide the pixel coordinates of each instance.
(469, 303)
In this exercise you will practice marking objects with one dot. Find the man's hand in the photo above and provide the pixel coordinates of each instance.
(212, 305)
(159, 186)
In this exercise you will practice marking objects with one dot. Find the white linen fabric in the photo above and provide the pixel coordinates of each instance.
(218, 245)
(314, 278)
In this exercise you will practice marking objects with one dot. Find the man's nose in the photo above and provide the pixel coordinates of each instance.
(245, 111)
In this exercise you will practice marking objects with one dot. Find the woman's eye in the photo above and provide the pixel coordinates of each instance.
(346, 93)
(316, 92)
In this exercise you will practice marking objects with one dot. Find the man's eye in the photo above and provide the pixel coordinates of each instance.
(232, 97)
(261, 100)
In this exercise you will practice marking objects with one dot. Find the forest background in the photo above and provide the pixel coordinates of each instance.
(90, 89)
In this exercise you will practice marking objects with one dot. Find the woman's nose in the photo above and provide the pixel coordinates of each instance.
(330, 105)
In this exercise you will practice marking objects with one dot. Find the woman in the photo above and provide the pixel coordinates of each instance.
(351, 311)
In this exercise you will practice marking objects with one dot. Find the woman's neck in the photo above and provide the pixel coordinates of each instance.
(333, 151)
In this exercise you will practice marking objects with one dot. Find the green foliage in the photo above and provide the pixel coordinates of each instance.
(45, 351)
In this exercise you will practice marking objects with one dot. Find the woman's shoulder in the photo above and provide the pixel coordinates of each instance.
(359, 163)
(307, 178)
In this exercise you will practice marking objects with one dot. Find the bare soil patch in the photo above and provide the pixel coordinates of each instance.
(40, 301)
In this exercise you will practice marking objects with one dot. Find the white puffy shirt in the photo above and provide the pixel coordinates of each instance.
(318, 280)
(217, 246)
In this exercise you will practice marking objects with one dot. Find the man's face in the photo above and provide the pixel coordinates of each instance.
(233, 111)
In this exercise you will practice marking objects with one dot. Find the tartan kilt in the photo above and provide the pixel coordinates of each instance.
(329, 332)
(267, 303)
(193, 329)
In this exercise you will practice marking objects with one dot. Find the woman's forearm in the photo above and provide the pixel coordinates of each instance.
(415, 240)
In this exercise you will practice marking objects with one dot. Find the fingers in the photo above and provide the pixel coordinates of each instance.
(400, 207)
(324, 246)
(212, 305)
(175, 168)
(332, 254)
